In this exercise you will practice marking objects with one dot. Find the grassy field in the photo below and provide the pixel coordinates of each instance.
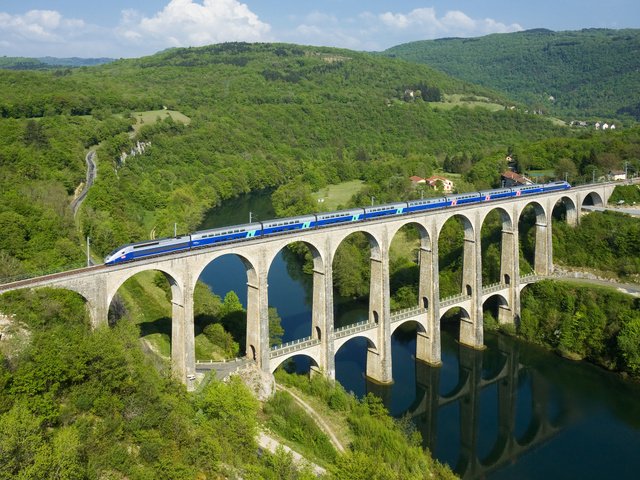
(152, 116)
(337, 196)
(459, 100)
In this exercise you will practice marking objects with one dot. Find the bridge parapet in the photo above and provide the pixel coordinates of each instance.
(494, 287)
(405, 313)
(293, 346)
(448, 301)
(532, 278)
(354, 328)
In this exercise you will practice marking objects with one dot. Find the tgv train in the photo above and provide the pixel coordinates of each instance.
(204, 238)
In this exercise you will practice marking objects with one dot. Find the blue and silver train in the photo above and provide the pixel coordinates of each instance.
(205, 238)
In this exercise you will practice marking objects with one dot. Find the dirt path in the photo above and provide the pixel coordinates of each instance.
(318, 419)
(268, 443)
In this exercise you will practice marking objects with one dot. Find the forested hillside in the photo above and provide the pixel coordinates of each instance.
(261, 115)
(27, 63)
(586, 74)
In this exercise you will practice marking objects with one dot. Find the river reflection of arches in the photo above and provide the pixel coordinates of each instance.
(487, 412)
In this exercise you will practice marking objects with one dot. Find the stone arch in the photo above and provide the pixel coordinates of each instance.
(540, 211)
(314, 364)
(420, 328)
(375, 270)
(499, 308)
(352, 357)
(252, 345)
(538, 250)
(177, 292)
(507, 221)
(498, 246)
(425, 238)
(309, 322)
(374, 242)
(249, 265)
(417, 269)
(467, 274)
(592, 199)
(464, 317)
(569, 212)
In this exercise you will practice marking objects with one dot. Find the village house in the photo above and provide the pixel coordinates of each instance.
(513, 179)
(438, 182)
(617, 175)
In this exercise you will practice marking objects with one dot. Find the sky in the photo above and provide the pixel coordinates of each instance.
(128, 28)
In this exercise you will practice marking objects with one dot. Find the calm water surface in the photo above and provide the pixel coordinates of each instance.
(510, 411)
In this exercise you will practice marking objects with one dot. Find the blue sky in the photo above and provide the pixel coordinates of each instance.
(128, 28)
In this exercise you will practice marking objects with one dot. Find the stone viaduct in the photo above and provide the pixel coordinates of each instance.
(99, 284)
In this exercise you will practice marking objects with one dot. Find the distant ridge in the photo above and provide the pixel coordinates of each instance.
(40, 63)
(586, 74)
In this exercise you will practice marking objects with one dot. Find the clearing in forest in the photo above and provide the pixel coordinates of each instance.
(337, 196)
(152, 116)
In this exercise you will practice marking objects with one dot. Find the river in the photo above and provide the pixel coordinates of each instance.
(510, 411)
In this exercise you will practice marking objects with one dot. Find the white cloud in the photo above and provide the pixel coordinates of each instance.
(376, 31)
(183, 23)
(36, 26)
(200, 22)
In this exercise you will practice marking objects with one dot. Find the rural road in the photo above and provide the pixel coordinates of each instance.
(91, 175)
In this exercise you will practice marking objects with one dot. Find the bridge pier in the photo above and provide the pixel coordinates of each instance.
(471, 333)
(258, 318)
(379, 358)
(322, 317)
(428, 343)
(98, 302)
(510, 272)
(183, 361)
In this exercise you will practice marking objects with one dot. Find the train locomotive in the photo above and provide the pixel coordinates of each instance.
(205, 238)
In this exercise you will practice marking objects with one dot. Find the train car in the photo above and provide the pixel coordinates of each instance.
(286, 224)
(225, 234)
(463, 198)
(527, 189)
(488, 195)
(551, 186)
(426, 204)
(397, 208)
(329, 218)
(137, 250)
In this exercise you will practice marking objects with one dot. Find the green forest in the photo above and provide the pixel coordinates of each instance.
(587, 75)
(76, 403)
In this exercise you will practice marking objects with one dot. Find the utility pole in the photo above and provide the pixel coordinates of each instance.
(593, 176)
(175, 230)
(88, 253)
(250, 216)
(372, 200)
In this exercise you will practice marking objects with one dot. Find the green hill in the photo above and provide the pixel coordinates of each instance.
(41, 63)
(262, 115)
(589, 73)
